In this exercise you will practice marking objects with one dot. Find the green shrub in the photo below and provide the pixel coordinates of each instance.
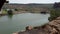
(16, 9)
(54, 13)
(10, 12)
(4, 12)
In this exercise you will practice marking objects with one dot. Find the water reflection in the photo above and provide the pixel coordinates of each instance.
(18, 22)
(10, 16)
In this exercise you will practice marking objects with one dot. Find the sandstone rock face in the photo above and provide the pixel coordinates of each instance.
(52, 27)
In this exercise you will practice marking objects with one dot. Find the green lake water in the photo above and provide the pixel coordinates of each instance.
(18, 22)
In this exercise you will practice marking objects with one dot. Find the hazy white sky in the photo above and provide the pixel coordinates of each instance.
(33, 1)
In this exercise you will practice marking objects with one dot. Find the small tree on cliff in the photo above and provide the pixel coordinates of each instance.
(55, 12)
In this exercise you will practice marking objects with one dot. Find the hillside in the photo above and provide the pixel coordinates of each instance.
(12, 6)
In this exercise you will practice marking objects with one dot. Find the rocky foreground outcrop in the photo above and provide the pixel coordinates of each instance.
(52, 27)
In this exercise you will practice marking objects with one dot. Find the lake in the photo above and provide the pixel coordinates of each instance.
(18, 22)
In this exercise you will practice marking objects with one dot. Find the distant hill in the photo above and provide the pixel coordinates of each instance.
(32, 5)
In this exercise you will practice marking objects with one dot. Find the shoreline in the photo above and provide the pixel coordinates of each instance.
(52, 27)
(21, 13)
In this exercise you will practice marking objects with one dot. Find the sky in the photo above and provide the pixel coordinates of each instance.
(33, 1)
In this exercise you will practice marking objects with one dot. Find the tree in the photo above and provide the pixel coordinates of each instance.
(16, 9)
(55, 12)
(56, 5)
(10, 12)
